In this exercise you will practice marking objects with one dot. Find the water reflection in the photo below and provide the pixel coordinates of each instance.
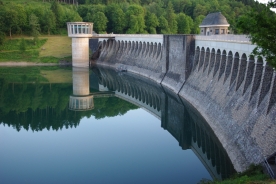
(183, 122)
(37, 106)
(81, 100)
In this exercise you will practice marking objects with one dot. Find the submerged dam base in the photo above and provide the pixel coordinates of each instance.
(234, 92)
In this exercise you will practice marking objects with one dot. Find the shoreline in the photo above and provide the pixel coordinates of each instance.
(24, 63)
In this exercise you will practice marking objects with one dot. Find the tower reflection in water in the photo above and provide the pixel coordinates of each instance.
(81, 100)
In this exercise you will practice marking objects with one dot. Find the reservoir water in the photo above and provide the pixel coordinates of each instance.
(73, 125)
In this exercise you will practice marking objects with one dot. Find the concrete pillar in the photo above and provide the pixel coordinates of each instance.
(80, 52)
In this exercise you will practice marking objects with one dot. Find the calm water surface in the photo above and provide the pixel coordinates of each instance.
(135, 134)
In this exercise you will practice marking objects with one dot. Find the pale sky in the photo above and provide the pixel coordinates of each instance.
(263, 1)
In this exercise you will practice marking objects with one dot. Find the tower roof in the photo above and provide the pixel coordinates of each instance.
(214, 19)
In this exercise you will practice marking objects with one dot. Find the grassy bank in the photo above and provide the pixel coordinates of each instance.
(253, 175)
(47, 49)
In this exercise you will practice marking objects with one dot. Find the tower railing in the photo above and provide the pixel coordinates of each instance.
(80, 29)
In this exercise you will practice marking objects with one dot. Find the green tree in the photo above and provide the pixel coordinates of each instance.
(200, 10)
(14, 18)
(48, 22)
(21, 17)
(214, 6)
(90, 13)
(185, 24)
(58, 12)
(171, 18)
(70, 15)
(93, 9)
(82, 10)
(156, 8)
(198, 20)
(189, 8)
(151, 22)
(2, 15)
(116, 18)
(260, 24)
(163, 27)
(179, 5)
(135, 19)
(34, 26)
(100, 22)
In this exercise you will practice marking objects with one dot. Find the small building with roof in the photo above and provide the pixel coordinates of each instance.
(214, 24)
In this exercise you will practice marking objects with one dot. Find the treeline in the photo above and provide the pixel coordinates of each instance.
(158, 16)
(117, 16)
(34, 19)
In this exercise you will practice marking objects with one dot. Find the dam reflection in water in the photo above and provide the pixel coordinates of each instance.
(180, 119)
(92, 95)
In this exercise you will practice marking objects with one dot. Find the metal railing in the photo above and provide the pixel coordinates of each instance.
(79, 29)
(268, 168)
(265, 162)
(225, 38)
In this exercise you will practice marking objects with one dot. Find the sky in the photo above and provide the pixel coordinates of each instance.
(263, 1)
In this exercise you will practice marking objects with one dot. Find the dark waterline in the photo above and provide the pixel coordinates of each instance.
(115, 142)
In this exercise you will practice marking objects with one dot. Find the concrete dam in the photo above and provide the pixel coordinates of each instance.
(233, 91)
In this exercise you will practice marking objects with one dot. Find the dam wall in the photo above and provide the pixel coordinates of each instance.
(236, 97)
(139, 57)
(234, 92)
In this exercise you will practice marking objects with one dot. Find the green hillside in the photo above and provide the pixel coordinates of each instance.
(49, 17)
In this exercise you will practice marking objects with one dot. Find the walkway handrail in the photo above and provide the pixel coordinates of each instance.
(131, 35)
(226, 38)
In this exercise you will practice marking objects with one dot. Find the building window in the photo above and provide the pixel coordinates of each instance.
(222, 31)
(216, 31)
(201, 30)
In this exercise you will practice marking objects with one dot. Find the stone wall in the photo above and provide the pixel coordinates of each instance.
(233, 92)
(142, 58)
(178, 54)
(239, 106)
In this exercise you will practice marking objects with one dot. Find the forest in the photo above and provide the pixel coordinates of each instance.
(116, 16)
(41, 17)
